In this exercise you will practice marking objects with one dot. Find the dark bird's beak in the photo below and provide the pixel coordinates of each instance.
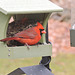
(44, 32)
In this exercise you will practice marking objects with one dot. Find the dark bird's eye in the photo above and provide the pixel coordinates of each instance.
(41, 30)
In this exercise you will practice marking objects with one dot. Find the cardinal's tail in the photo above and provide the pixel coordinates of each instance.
(10, 38)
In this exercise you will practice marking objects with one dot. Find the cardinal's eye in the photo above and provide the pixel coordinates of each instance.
(41, 29)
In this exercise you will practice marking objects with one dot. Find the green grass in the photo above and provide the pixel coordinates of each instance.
(63, 64)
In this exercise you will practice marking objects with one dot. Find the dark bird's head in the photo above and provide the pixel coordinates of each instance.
(41, 28)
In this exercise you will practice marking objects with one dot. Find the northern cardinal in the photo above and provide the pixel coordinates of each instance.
(30, 36)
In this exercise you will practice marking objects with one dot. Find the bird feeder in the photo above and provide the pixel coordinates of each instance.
(72, 36)
(35, 10)
(72, 30)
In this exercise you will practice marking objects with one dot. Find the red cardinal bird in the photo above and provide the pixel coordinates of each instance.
(30, 36)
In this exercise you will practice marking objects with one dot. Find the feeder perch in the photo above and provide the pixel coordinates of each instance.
(35, 10)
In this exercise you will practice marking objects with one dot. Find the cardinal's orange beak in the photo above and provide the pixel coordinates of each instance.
(44, 32)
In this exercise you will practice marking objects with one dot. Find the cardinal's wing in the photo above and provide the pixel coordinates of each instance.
(29, 33)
